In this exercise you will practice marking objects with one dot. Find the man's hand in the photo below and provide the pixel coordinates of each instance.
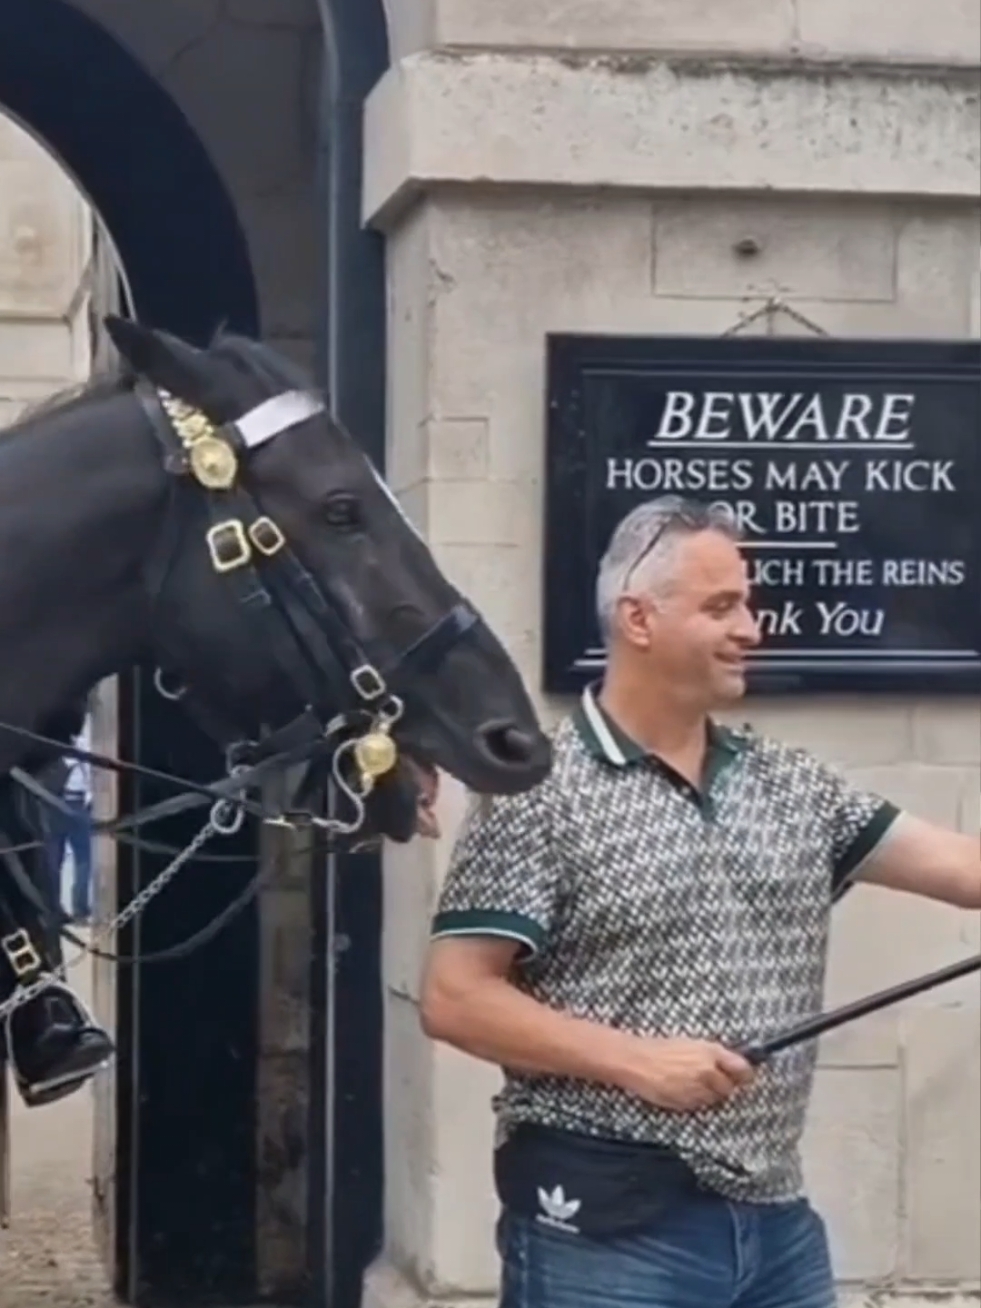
(427, 780)
(684, 1075)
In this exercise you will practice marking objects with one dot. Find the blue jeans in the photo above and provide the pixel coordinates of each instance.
(707, 1253)
(74, 830)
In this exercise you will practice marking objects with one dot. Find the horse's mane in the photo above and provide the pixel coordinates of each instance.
(100, 386)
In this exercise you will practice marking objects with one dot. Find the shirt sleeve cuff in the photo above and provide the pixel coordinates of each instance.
(487, 922)
(867, 840)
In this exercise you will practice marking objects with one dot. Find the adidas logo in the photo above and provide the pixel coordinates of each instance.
(557, 1210)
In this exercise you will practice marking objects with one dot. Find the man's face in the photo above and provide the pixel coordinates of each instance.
(697, 632)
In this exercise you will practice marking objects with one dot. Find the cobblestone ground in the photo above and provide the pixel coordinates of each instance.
(47, 1255)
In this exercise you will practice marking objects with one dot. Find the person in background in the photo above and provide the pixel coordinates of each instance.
(73, 830)
(614, 937)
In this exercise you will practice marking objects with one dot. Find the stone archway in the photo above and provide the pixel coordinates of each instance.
(221, 142)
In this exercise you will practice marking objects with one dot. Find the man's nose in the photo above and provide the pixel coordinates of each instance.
(748, 629)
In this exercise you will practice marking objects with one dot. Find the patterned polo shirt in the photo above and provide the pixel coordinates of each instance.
(647, 904)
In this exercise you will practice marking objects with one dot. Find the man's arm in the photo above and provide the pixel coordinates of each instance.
(469, 1001)
(924, 859)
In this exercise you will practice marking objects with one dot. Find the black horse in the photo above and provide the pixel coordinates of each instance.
(201, 511)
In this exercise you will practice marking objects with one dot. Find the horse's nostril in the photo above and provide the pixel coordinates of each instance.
(507, 743)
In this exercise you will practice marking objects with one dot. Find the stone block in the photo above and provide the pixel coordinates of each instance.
(458, 449)
(936, 258)
(465, 1207)
(45, 354)
(873, 1042)
(947, 731)
(852, 1149)
(410, 900)
(929, 791)
(969, 810)
(17, 143)
(45, 228)
(880, 938)
(947, 32)
(817, 249)
(483, 512)
(409, 1090)
(502, 581)
(843, 732)
(662, 25)
(942, 1174)
(415, 505)
(408, 323)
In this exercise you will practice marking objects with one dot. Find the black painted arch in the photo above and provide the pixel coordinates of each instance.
(139, 161)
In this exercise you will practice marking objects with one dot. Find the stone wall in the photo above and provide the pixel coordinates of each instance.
(46, 247)
(550, 168)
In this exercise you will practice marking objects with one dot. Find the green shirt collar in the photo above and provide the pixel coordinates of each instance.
(607, 741)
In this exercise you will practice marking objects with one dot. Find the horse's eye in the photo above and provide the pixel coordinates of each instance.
(342, 511)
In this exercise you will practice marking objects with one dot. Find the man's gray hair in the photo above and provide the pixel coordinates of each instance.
(643, 544)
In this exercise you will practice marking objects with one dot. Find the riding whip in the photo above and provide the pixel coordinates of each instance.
(817, 1026)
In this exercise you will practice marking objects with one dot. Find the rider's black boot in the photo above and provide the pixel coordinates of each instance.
(54, 1046)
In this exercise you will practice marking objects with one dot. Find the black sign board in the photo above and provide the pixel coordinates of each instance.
(854, 468)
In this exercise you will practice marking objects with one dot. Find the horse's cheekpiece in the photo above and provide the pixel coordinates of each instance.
(211, 456)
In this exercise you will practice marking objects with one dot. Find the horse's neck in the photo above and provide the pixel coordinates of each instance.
(79, 491)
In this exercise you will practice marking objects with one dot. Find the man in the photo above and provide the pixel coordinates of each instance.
(613, 937)
(74, 829)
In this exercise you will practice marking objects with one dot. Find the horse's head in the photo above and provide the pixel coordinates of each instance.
(312, 588)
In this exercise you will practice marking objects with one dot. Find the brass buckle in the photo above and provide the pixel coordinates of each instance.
(228, 545)
(368, 682)
(266, 537)
(21, 954)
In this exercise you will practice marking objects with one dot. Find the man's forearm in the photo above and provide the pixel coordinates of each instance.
(494, 1021)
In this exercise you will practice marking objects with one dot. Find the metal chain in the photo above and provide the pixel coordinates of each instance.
(225, 819)
(135, 906)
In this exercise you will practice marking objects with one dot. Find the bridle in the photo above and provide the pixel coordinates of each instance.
(348, 698)
(350, 703)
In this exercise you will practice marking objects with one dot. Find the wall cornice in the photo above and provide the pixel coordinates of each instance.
(633, 122)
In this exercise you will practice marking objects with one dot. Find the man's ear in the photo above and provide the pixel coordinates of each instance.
(631, 622)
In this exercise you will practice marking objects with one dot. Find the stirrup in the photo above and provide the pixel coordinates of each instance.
(50, 1088)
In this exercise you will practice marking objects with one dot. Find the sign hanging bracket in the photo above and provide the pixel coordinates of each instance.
(769, 310)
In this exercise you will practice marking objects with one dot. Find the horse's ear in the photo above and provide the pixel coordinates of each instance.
(162, 359)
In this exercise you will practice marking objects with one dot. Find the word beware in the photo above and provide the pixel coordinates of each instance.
(774, 416)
